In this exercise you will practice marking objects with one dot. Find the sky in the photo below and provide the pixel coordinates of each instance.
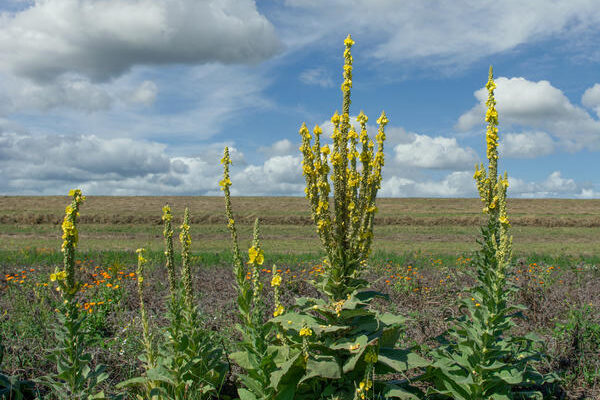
(139, 97)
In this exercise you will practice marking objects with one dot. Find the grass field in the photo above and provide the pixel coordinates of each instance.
(439, 226)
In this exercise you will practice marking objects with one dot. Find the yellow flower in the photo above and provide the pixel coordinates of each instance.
(306, 331)
(276, 281)
(348, 41)
(325, 150)
(224, 183)
(256, 256)
(278, 310)
(503, 219)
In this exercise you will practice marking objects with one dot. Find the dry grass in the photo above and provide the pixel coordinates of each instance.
(450, 226)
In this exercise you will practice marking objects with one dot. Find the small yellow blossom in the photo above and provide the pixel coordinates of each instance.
(276, 281)
(256, 256)
(278, 310)
(306, 331)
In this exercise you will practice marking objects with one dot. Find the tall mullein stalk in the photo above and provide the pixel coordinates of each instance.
(150, 353)
(256, 259)
(347, 236)
(239, 270)
(186, 243)
(278, 308)
(70, 239)
(484, 360)
(74, 379)
(169, 254)
(492, 191)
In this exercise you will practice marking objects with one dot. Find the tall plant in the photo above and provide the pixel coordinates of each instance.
(482, 360)
(187, 364)
(75, 378)
(334, 347)
(346, 235)
(255, 355)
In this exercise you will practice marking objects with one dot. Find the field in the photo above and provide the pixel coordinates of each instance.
(440, 226)
(422, 249)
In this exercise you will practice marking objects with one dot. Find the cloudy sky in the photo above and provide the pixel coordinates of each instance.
(139, 97)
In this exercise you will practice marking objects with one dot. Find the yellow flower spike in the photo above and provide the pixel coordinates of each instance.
(348, 41)
(325, 150)
(382, 120)
(276, 281)
(335, 119)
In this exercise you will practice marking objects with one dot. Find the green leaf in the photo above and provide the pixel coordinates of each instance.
(286, 369)
(245, 394)
(401, 360)
(322, 366)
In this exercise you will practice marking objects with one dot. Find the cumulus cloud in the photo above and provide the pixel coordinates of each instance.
(52, 164)
(435, 153)
(591, 98)
(104, 39)
(316, 76)
(455, 184)
(526, 145)
(67, 91)
(555, 185)
(278, 175)
(279, 148)
(537, 106)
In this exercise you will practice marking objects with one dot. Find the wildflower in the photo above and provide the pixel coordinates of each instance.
(256, 256)
(306, 331)
(276, 281)
(278, 310)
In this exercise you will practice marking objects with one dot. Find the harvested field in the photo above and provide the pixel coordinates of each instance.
(447, 226)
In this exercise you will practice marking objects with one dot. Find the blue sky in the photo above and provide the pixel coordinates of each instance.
(139, 97)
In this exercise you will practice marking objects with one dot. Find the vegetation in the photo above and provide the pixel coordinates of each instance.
(336, 323)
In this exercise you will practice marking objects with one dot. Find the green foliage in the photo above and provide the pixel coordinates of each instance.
(13, 388)
(479, 358)
(333, 350)
(75, 379)
(187, 364)
(581, 331)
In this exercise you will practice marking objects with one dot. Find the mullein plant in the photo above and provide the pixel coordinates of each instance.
(256, 355)
(479, 359)
(187, 364)
(75, 378)
(334, 346)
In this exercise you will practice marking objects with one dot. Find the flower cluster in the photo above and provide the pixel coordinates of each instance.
(185, 238)
(169, 254)
(346, 235)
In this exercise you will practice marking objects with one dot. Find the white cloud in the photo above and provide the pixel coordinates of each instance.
(104, 39)
(447, 33)
(279, 175)
(555, 185)
(591, 98)
(144, 94)
(435, 152)
(280, 148)
(526, 145)
(68, 91)
(316, 76)
(455, 184)
(537, 106)
(53, 164)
